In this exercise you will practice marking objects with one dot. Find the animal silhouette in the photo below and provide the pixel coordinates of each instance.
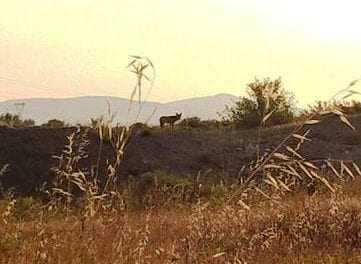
(169, 120)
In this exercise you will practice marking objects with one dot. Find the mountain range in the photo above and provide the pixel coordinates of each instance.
(82, 109)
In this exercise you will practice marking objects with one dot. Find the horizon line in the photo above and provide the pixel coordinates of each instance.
(117, 97)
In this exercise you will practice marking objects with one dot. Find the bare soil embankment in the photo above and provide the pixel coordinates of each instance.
(30, 151)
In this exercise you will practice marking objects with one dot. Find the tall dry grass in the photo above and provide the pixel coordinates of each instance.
(324, 228)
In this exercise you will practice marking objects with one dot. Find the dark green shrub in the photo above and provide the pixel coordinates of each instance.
(145, 132)
(191, 122)
(321, 107)
(54, 123)
(196, 122)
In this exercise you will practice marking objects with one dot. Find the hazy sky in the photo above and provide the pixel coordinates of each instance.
(61, 48)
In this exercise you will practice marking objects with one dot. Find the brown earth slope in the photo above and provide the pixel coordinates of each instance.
(29, 151)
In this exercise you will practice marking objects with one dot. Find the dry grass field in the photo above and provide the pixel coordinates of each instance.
(296, 211)
(322, 228)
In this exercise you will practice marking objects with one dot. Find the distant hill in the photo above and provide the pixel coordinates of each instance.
(81, 109)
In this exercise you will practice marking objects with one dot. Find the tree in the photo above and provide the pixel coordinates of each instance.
(11, 120)
(266, 103)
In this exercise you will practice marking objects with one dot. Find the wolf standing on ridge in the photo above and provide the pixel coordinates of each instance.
(170, 120)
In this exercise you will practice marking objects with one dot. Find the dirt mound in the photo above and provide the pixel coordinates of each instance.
(29, 151)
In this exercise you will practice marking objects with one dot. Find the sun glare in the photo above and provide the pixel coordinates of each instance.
(329, 20)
